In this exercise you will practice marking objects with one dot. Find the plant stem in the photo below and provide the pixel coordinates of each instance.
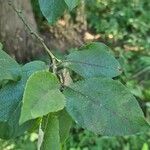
(54, 59)
(41, 40)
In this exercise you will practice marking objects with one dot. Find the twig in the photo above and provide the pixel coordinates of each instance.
(41, 40)
(53, 58)
(40, 138)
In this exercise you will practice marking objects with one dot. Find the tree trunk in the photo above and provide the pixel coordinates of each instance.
(17, 41)
(21, 45)
(68, 32)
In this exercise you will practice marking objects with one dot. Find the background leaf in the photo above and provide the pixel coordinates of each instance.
(65, 122)
(50, 126)
(92, 61)
(41, 96)
(104, 106)
(11, 101)
(71, 3)
(52, 9)
(9, 68)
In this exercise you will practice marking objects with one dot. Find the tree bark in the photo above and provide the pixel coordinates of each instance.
(21, 45)
(68, 32)
(16, 39)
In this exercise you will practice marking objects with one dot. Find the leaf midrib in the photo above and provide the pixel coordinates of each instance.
(90, 64)
(104, 106)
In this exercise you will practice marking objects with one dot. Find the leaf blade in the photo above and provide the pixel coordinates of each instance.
(50, 127)
(52, 9)
(105, 107)
(11, 100)
(92, 61)
(72, 3)
(9, 68)
(41, 98)
(65, 122)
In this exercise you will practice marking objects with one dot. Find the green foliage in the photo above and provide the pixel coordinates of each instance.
(52, 9)
(11, 101)
(50, 127)
(104, 106)
(93, 60)
(126, 21)
(95, 102)
(10, 69)
(45, 94)
(26, 142)
(65, 122)
(99, 104)
(83, 140)
(72, 3)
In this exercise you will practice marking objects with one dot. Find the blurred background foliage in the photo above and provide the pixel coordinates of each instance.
(124, 25)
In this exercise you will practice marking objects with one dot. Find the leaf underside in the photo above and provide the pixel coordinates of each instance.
(11, 101)
(71, 3)
(9, 68)
(50, 126)
(52, 9)
(65, 122)
(105, 107)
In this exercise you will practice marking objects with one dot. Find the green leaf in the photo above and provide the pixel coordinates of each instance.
(72, 3)
(52, 9)
(9, 68)
(92, 61)
(11, 101)
(104, 106)
(65, 122)
(50, 126)
(41, 96)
